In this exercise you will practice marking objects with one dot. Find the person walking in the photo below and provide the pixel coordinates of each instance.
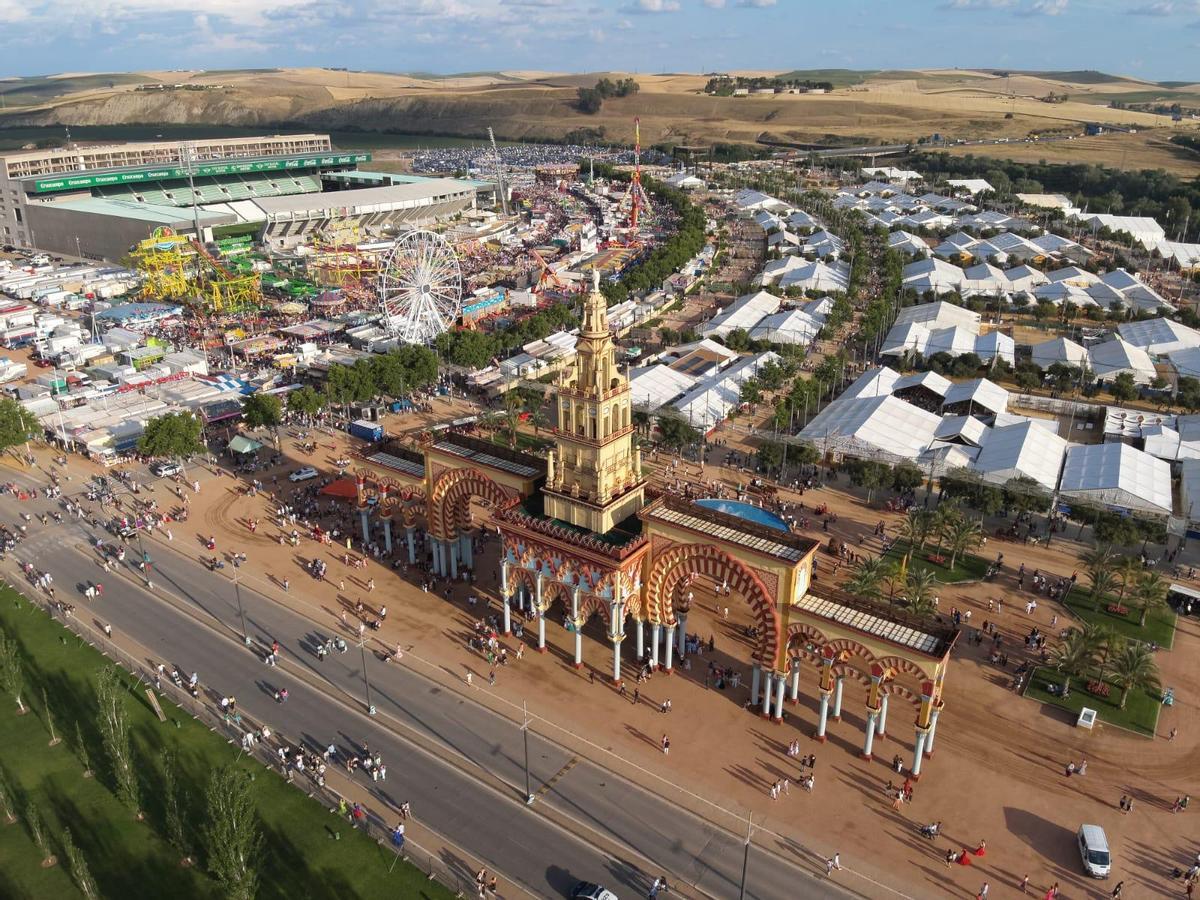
(666, 745)
(834, 862)
(1116, 891)
(1025, 885)
(983, 891)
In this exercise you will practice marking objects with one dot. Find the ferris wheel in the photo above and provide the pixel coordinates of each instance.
(420, 288)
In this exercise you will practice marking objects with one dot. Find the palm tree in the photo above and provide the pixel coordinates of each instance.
(914, 531)
(1134, 668)
(1150, 594)
(1112, 641)
(539, 420)
(1075, 654)
(867, 578)
(514, 405)
(962, 536)
(946, 517)
(1102, 579)
(1100, 557)
(919, 587)
(1127, 569)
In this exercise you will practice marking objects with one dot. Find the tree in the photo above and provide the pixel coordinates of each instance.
(514, 406)
(81, 751)
(919, 588)
(77, 863)
(174, 436)
(306, 402)
(1127, 569)
(676, 432)
(263, 411)
(1074, 654)
(17, 424)
(232, 840)
(1102, 579)
(867, 578)
(751, 391)
(1149, 595)
(1134, 669)
(1123, 388)
(172, 807)
(7, 805)
(641, 420)
(962, 536)
(770, 455)
(54, 738)
(37, 831)
(113, 722)
(1111, 642)
(12, 670)
(588, 100)
(870, 475)
(906, 477)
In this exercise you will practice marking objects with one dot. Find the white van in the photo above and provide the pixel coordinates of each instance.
(1093, 851)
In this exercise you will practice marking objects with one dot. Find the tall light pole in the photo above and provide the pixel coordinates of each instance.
(746, 856)
(237, 589)
(362, 646)
(525, 734)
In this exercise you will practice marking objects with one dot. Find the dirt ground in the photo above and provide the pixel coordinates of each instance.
(996, 773)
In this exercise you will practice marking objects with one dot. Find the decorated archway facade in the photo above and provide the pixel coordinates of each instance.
(449, 510)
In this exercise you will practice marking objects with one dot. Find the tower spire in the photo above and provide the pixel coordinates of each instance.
(595, 310)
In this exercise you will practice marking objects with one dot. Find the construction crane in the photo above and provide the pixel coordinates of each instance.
(499, 171)
(635, 198)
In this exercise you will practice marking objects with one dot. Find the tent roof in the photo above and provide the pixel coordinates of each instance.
(239, 443)
(877, 382)
(1023, 448)
(981, 392)
(932, 381)
(1061, 349)
(1159, 336)
(1117, 356)
(1144, 480)
(940, 314)
(882, 424)
(342, 488)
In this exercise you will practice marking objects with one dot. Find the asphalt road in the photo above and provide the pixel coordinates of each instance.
(450, 797)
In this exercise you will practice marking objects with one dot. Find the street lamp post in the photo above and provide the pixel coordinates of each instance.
(362, 646)
(525, 734)
(237, 589)
(746, 855)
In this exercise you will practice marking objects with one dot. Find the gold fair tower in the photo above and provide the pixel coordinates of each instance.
(594, 474)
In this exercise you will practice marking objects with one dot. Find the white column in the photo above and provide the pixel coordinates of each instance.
(387, 535)
(881, 728)
(450, 548)
(919, 752)
(537, 587)
(655, 634)
(933, 720)
(869, 740)
(794, 693)
(504, 578)
(768, 693)
(641, 640)
(780, 687)
(578, 645)
(755, 680)
(541, 631)
(670, 646)
(682, 636)
(823, 717)
(837, 699)
(616, 642)
(507, 614)
(412, 544)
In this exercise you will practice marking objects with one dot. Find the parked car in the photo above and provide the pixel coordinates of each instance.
(587, 890)
(1093, 851)
(305, 474)
(164, 469)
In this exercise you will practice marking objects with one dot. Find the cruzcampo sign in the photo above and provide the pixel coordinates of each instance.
(84, 182)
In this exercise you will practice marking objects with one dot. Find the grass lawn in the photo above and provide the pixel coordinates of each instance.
(966, 568)
(1160, 626)
(1140, 713)
(131, 859)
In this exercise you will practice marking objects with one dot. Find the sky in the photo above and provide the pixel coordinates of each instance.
(1150, 39)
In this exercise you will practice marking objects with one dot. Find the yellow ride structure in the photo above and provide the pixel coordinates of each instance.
(176, 267)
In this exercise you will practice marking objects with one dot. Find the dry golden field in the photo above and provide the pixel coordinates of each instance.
(884, 107)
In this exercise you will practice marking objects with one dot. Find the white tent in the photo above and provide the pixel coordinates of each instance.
(955, 340)
(1110, 359)
(1159, 337)
(817, 276)
(789, 326)
(878, 382)
(963, 429)
(1022, 448)
(1117, 475)
(1025, 278)
(1142, 229)
(1186, 362)
(939, 315)
(1060, 350)
(984, 278)
(653, 386)
(996, 344)
(932, 274)
(1073, 275)
(907, 243)
(744, 312)
(709, 401)
(977, 396)
(873, 426)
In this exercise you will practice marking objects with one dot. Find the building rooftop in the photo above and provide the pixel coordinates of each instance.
(733, 529)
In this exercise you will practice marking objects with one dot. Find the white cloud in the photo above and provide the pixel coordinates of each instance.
(624, 25)
(1048, 7)
(1162, 8)
(714, 4)
(756, 4)
(977, 4)
(653, 6)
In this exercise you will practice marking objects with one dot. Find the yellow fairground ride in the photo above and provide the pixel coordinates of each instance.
(175, 267)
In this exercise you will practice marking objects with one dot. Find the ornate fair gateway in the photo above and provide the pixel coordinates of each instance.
(579, 540)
